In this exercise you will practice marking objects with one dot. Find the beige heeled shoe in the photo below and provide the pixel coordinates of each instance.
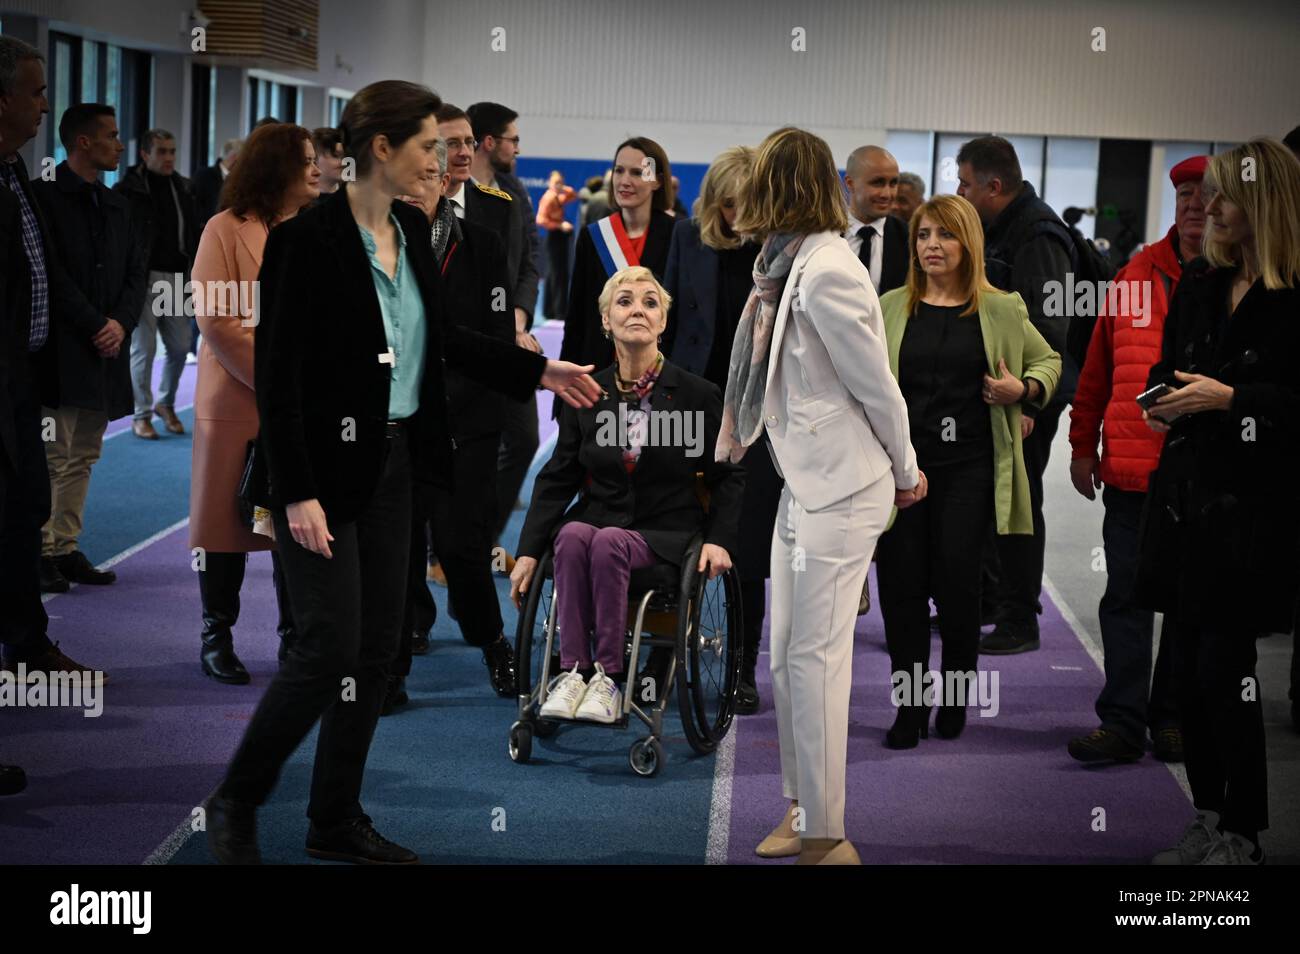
(784, 842)
(828, 851)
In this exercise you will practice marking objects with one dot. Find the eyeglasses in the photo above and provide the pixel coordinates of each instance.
(455, 145)
(513, 139)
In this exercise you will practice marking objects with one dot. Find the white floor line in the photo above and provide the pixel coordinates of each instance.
(128, 552)
(171, 844)
(1177, 770)
(720, 805)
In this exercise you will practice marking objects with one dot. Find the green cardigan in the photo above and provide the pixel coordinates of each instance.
(1008, 334)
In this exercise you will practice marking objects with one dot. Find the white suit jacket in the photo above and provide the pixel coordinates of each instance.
(832, 408)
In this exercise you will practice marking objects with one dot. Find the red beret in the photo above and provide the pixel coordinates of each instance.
(1189, 170)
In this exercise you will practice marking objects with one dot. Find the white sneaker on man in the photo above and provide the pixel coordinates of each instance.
(603, 700)
(1197, 842)
(566, 694)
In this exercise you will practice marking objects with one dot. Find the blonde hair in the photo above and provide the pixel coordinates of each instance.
(795, 188)
(724, 179)
(1271, 203)
(958, 216)
(628, 276)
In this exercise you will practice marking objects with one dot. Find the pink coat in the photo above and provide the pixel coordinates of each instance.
(225, 408)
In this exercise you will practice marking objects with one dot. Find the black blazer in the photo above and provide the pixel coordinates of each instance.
(894, 256)
(1232, 477)
(508, 219)
(584, 342)
(472, 272)
(658, 499)
(13, 332)
(317, 373)
(134, 186)
(35, 375)
(208, 183)
(103, 273)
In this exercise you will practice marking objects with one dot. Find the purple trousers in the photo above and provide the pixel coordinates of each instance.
(592, 568)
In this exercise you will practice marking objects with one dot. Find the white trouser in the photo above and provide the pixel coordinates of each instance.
(819, 564)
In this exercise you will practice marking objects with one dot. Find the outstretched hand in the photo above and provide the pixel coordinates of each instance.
(571, 382)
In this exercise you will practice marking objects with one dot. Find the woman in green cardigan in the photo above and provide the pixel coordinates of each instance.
(966, 359)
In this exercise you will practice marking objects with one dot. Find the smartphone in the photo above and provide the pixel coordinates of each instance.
(1147, 399)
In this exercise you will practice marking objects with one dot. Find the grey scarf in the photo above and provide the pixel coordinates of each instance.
(445, 229)
(742, 407)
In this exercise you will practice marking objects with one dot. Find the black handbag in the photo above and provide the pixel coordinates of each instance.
(253, 490)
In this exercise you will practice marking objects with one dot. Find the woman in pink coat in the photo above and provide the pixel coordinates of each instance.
(275, 176)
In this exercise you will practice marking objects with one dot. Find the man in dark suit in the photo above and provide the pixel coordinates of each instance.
(29, 264)
(878, 239)
(90, 228)
(209, 180)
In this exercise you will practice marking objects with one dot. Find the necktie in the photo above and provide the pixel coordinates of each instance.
(867, 234)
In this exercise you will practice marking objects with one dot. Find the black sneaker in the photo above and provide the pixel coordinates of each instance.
(499, 658)
(357, 841)
(52, 581)
(1010, 638)
(1167, 744)
(747, 700)
(76, 568)
(419, 644)
(395, 696)
(1103, 745)
(232, 831)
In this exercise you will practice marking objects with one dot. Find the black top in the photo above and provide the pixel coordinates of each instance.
(941, 367)
(735, 282)
(167, 254)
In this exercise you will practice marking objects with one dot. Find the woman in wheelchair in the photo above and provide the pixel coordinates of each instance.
(633, 461)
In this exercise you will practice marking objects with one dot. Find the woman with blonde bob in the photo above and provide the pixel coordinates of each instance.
(637, 504)
(709, 274)
(809, 366)
(1220, 549)
(967, 360)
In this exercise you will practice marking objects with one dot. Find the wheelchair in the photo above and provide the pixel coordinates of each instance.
(677, 612)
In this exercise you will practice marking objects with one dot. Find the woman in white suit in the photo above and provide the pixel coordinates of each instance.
(809, 365)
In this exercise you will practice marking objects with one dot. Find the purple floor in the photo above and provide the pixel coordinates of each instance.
(1005, 791)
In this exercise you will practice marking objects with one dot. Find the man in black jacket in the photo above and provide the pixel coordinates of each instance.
(209, 181)
(875, 236)
(90, 228)
(1026, 247)
(167, 221)
(28, 262)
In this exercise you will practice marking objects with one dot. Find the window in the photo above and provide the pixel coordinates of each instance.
(336, 106)
(270, 98)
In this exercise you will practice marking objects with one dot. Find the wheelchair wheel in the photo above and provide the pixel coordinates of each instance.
(646, 757)
(709, 638)
(530, 636)
(521, 742)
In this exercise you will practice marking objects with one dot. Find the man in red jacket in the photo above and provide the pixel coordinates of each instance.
(1125, 344)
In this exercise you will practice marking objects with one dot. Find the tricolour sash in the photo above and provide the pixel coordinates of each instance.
(612, 244)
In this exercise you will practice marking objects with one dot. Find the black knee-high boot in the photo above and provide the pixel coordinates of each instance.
(753, 607)
(219, 583)
(284, 625)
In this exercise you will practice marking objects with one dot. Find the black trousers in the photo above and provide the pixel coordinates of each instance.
(1223, 733)
(461, 525)
(26, 507)
(519, 442)
(1020, 577)
(348, 616)
(930, 552)
(557, 274)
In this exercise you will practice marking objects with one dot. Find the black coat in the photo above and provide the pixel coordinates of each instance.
(32, 374)
(1221, 536)
(894, 257)
(134, 186)
(508, 218)
(584, 341)
(12, 333)
(208, 183)
(525, 247)
(472, 271)
(316, 368)
(658, 499)
(105, 272)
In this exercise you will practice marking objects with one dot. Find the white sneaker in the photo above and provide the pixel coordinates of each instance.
(1196, 844)
(603, 701)
(567, 692)
(1231, 849)
(191, 358)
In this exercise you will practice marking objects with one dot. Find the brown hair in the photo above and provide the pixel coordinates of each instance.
(959, 217)
(662, 199)
(270, 161)
(327, 139)
(794, 189)
(394, 109)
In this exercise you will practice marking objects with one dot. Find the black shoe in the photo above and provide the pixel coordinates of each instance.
(76, 568)
(395, 696)
(949, 721)
(653, 677)
(52, 581)
(1010, 638)
(232, 831)
(500, 661)
(910, 723)
(12, 780)
(419, 644)
(864, 601)
(220, 662)
(357, 841)
(1167, 744)
(1103, 745)
(747, 700)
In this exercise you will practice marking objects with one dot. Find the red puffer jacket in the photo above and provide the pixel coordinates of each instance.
(1120, 355)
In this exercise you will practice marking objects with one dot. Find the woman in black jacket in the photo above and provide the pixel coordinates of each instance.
(709, 275)
(632, 459)
(1221, 535)
(637, 234)
(349, 375)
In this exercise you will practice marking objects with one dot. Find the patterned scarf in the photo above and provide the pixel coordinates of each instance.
(445, 229)
(742, 407)
(638, 414)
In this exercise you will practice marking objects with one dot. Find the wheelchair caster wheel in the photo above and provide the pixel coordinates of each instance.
(646, 757)
(545, 728)
(521, 742)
